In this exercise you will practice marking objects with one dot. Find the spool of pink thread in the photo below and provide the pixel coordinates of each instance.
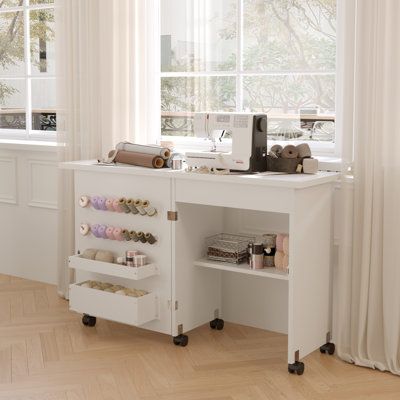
(118, 234)
(109, 204)
(110, 232)
(116, 206)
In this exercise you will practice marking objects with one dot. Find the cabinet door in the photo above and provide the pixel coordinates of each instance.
(158, 192)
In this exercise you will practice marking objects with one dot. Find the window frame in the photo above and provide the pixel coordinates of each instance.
(321, 148)
(28, 133)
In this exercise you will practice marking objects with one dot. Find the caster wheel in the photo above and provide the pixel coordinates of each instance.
(88, 320)
(328, 348)
(217, 324)
(181, 340)
(296, 368)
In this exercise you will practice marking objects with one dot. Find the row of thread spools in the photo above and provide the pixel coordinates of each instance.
(114, 233)
(121, 205)
(270, 250)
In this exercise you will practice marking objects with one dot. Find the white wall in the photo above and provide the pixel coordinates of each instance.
(28, 211)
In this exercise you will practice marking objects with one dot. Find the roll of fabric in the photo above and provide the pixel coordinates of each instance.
(131, 204)
(94, 228)
(89, 254)
(304, 150)
(279, 241)
(141, 237)
(163, 152)
(94, 200)
(101, 230)
(290, 151)
(279, 260)
(109, 204)
(276, 151)
(104, 256)
(134, 236)
(126, 235)
(110, 232)
(84, 229)
(101, 203)
(84, 201)
(150, 238)
(118, 234)
(310, 165)
(139, 159)
(285, 244)
(123, 206)
(116, 206)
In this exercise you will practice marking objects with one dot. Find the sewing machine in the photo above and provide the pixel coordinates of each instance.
(248, 132)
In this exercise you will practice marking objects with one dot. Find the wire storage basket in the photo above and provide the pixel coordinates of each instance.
(228, 247)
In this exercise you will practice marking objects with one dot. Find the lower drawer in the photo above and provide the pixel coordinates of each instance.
(114, 307)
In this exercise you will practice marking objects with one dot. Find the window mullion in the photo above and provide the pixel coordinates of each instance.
(27, 57)
(239, 57)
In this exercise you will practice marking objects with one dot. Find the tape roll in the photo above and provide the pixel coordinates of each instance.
(290, 151)
(109, 204)
(84, 201)
(94, 200)
(123, 206)
(285, 244)
(276, 151)
(150, 238)
(131, 204)
(126, 235)
(304, 150)
(141, 237)
(101, 230)
(110, 233)
(134, 236)
(89, 254)
(116, 206)
(95, 228)
(118, 234)
(84, 229)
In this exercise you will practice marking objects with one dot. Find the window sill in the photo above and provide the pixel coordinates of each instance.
(28, 145)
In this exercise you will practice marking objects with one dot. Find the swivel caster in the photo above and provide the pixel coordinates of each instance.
(327, 348)
(217, 324)
(296, 368)
(181, 340)
(88, 320)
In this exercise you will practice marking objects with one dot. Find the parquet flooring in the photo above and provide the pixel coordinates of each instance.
(47, 354)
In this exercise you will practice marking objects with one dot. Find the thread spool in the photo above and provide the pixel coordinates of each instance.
(123, 206)
(89, 254)
(304, 150)
(118, 234)
(130, 254)
(141, 237)
(134, 236)
(279, 260)
(126, 235)
(275, 151)
(290, 151)
(116, 206)
(109, 204)
(101, 203)
(101, 230)
(139, 206)
(84, 201)
(131, 204)
(94, 228)
(110, 233)
(104, 256)
(94, 200)
(84, 229)
(150, 238)
(279, 241)
(139, 260)
(150, 211)
(285, 244)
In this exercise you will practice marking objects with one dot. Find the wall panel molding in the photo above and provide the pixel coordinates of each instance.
(42, 184)
(8, 180)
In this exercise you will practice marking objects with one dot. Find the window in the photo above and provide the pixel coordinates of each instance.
(27, 69)
(272, 56)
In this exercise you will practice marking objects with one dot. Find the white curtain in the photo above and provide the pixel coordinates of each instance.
(368, 285)
(107, 91)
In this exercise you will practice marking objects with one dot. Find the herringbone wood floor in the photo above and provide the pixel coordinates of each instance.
(47, 354)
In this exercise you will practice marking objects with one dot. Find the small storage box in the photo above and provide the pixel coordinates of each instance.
(287, 165)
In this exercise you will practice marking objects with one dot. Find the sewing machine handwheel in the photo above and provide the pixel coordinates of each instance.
(181, 340)
(217, 324)
(327, 348)
(88, 320)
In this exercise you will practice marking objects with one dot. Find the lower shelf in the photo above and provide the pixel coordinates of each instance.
(243, 269)
(114, 307)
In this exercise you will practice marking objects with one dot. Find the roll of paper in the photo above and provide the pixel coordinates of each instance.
(304, 150)
(110, 232)
(139, 159)
(276, 151)
(290, 151)
(131, 204)
(109, 204)
(163, 152)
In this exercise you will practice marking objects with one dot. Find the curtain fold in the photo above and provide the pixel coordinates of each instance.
(106, 81)
(368, 279)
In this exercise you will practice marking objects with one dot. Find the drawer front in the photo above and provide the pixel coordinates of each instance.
(114, 307)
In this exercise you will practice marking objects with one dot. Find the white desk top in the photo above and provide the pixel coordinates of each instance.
(293, 181)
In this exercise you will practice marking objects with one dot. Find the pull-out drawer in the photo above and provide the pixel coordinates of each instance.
(115, 307)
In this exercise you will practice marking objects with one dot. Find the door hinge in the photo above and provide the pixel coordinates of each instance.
(172, 215)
